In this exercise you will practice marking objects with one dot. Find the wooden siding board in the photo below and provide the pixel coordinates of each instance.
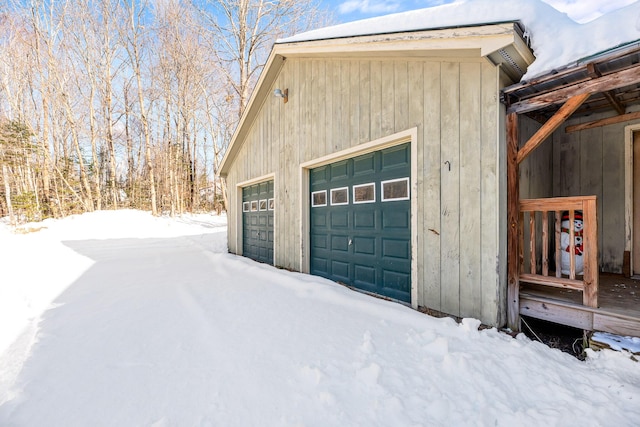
(591, 164)
(265, 134)
(320, 112)
(502, 212)
(305, 143)
(329, 105)
(364, 125)
(526, 131)
(430, 191)
(264, 142)
(415, 76)
(343, 136)
(556, 138)
(470, 195)
(376, 100)
(338, 113)
(279, 161)
(312, 110)
(450, 188)
(354, 102)
(540, 165)
(489, 188)
(613, 199)
(401, 96)
(569, 166)
(291, 121)
(306, 147)
(387, 89)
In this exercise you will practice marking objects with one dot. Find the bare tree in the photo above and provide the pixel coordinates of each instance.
(131, 97)
(244, 31)
(134, 41)
(241, 35)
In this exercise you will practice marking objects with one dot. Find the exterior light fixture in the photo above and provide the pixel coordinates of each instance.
(282, 94)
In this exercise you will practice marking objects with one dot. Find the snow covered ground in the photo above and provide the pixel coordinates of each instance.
(122, 319)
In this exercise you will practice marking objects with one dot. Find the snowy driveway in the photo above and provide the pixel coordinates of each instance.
(175, 332)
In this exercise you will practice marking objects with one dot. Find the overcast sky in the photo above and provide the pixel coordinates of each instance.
(351, 10)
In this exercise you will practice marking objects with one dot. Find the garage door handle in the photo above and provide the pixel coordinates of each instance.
(350, 242)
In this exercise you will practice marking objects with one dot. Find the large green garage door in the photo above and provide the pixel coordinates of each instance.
(257, 222)
(361, 222)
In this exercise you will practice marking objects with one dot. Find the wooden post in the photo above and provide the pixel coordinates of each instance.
(513, 219)
(545, 243)
(572, 244)
(532, 243)
(558, 222)
(590, 235)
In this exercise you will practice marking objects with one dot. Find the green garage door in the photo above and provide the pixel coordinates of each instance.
(257, 222)
(361, 222)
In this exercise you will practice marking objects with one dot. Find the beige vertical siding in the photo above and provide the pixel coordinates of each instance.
(429, 201)
(337, 104)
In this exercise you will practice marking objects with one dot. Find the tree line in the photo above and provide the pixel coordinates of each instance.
(128, 103)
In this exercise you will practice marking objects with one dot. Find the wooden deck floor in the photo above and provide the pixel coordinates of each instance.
(618, 305)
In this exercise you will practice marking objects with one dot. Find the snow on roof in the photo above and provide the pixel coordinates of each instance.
(555, 38)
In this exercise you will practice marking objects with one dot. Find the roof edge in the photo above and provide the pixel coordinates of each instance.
(295, 39)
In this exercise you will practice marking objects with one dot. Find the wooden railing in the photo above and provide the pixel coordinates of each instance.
(535, 215)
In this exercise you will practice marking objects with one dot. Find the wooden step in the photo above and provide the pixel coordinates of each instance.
(578, 316)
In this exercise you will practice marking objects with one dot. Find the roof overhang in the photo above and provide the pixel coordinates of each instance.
(501, 43)
(612, 79)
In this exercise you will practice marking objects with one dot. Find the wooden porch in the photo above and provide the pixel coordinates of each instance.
(582, 299)
(618, 311)
(609, 83)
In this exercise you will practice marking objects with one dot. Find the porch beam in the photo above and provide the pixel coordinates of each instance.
(594, 72)
(617, 105)
(603, 122)
(608, 82)
(551, 125)
(513, 218)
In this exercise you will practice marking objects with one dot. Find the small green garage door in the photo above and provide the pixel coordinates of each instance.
(361, 222)
(257, 222)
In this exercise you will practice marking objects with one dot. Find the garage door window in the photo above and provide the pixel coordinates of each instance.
(319, 198)
(263, 205)
(246, 206)
(364, 193)
(339, 196)
(254, 206)
(270, 203)
(395, 189)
